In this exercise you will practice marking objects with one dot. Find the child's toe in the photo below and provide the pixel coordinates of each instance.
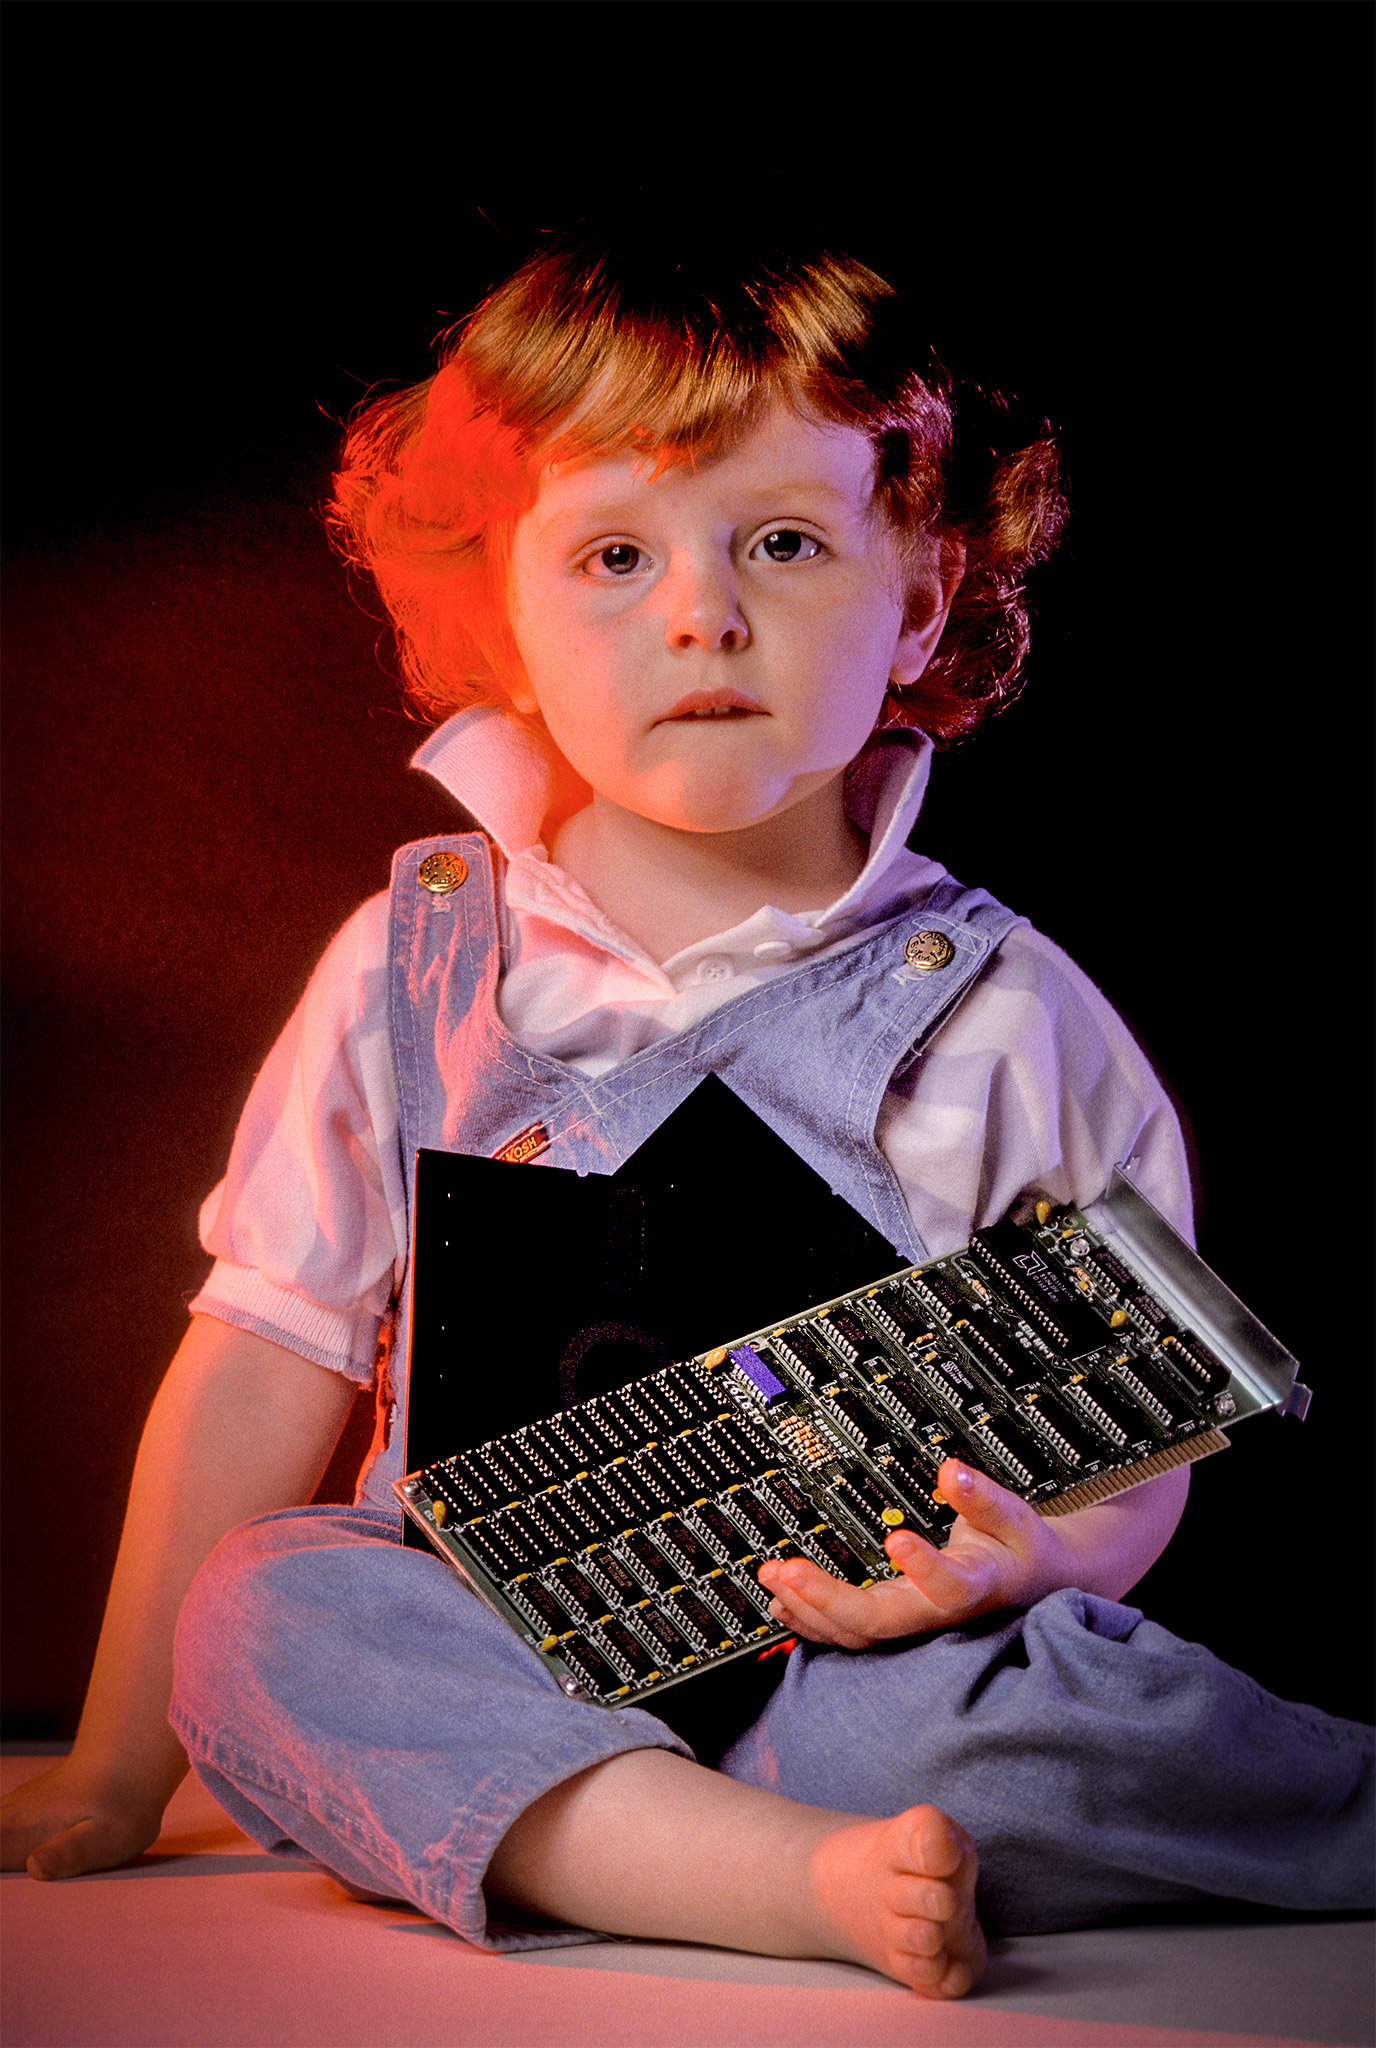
(961, 1976)
(923, 1939)
(939, 1846)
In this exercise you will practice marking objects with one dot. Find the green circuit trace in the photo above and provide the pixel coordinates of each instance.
(1069, 1356)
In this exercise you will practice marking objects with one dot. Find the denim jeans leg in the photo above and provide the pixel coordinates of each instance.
(1099, 1764)
(346, 1696)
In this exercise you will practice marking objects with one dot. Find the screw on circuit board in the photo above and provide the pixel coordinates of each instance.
(411, 1488)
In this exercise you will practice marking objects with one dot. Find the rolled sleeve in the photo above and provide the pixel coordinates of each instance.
(308, 1226)
(238, 1295)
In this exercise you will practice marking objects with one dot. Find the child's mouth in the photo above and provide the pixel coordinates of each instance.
(699, 704)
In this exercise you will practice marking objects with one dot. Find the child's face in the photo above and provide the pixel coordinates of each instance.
(710, 647)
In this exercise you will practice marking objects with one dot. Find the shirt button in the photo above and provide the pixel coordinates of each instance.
(772, 949)
(714, 968)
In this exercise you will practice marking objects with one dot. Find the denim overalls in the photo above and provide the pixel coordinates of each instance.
(811, 1052)
(349, 1697)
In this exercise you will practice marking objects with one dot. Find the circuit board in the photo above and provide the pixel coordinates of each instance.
(1067, 1358)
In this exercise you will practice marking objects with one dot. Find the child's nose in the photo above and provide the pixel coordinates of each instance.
(703, 607)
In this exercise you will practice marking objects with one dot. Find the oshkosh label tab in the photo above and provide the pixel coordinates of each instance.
(527, 1144)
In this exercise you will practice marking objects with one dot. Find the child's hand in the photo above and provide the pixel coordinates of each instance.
(71, 1819)
(1001, 1553)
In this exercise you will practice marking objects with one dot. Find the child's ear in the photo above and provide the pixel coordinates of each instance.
(929, 602)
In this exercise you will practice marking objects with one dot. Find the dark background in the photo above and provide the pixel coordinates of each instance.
(228, 223)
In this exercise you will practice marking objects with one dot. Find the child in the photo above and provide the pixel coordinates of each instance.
(700, 561)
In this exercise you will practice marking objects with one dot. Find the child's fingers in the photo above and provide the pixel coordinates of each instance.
(951, 1583)
(990, 1562)
(986, 1505)
(796, 1576)
(99, 1843)
(816, 1625)
(75, 1850)
(801, 1600)
(992, 1557)
(825, 1610)
(62, 1823)
(34, 1815)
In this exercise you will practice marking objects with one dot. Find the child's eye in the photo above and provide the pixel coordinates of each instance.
(786, 545)
(618, 559)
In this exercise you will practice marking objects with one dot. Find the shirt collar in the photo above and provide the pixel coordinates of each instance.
(504, 772)
(509, 775)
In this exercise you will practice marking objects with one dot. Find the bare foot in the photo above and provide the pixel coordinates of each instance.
(900, 1894)
(649, 1844)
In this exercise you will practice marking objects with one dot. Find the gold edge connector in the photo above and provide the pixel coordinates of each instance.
(1105, 1484)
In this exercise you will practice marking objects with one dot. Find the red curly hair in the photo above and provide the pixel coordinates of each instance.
(596, 350)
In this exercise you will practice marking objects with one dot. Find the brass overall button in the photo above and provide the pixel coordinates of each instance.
(442, 873)
(926, 950)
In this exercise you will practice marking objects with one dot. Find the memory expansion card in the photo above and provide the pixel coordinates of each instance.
(1068, 1355)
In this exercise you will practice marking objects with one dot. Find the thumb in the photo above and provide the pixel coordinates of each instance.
(89, 1845)
(982, 1502)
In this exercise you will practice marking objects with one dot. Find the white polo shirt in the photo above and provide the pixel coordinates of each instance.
(1034, 1082)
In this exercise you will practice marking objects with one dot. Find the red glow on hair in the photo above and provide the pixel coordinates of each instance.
(584, 353)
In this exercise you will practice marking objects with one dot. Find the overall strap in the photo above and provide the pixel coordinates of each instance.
(444, 944)
(811, 1051)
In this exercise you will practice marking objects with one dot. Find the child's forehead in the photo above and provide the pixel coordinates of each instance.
(783, 453)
